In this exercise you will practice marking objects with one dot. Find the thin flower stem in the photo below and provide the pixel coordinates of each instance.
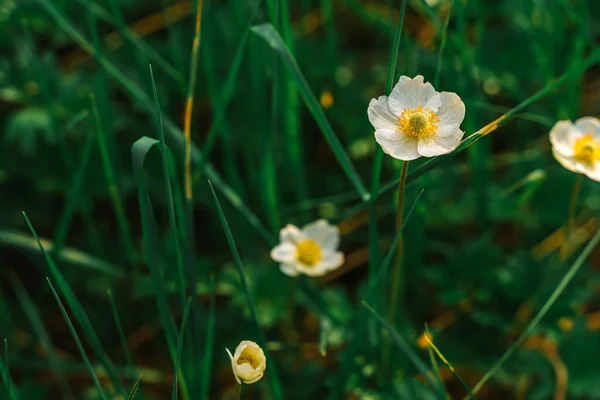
(238, 391)
(570, 228)
(397, 278)
(397, 274)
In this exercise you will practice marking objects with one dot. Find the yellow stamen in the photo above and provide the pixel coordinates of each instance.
(587, 150)
(249, 356)
(418, 122)
(309, 252)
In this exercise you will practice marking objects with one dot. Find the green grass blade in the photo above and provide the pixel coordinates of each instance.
(109, 173)
(42, 334)
(139, 150)
(174, 132)
(122, 337)
(374, 252)
(80, 314)
(209, 344)
(440, 60)
(274, 40)
(75, 195)
(171, 202)
(11, 390)
(77, 341)
(68, 254)
(176, 366)
(402, 345)
(274, 382)
(135, 389)
(542, 312)
(436, 369)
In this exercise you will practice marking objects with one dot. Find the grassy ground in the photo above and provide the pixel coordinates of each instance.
(142, 275)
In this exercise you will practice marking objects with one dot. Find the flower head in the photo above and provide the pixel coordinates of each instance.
(311, 250)
(248, 362)
(416, 121)
(577, 146)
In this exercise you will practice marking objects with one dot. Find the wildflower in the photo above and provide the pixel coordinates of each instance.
(311, 251)
(416, 121)
(577, 146)
(248, 363)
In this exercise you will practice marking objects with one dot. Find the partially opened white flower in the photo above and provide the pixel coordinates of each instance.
(311, 251)
(416, 121)
(248, 362)
(577, 146)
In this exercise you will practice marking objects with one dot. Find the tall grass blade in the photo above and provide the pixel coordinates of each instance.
(139, 150)
(274, 382)
(77, 341)
(122, 337)
(440, 60)
(80, 314)
(542, 312)
(11, 391)
(209, 344)
(42, 334)
(274, 40)
(177, 367)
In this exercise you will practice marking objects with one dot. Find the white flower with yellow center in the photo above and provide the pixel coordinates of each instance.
(310, 251)
(577, 146)
(248, 362)
(416, 121)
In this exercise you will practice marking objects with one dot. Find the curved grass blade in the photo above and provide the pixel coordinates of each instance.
(42, 334)
(401, 343)
(77, 341)
(135, 389)
(68, 254)
(80, 314)
(540, 315)
(436, 369)
(176, 367)
(273, 39)
(139, 150)
(374, 252)
(274, 382)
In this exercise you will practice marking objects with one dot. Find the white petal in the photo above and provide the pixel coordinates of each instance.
(289, 269)
(569, 163)
(325, 235)
(593, 172)
(437, 145)
(332, 260)
(589, 125)
(380, 115)
(312, 270)
(285, 252)
(238, 350)
(233, 367)
(411, 93)
(397, 144)
(291, 233)
(563, 136)
(452, 109)
(247, 373)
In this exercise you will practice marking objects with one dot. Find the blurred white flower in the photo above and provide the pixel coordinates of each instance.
(248, 362)
(577, 146)
(311, 251)
(416, 121)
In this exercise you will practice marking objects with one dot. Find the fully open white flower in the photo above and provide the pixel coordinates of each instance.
(311, 251)
(577, 146)
(248, 362)
(416, 121)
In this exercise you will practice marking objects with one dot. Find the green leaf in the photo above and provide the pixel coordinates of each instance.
(176, 366)
(135, 389)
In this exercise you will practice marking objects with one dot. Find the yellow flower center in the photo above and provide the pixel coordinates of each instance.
(250, 356)
(418, 123)
(309, 252)
(587, 150)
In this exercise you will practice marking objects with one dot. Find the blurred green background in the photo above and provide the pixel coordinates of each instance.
(481, 252)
